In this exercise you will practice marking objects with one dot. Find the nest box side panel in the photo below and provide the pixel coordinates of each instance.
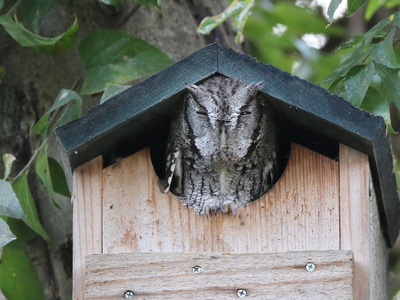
(87, 219)
(301, 212)
(360, 229)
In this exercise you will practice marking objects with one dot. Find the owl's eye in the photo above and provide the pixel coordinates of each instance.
(243, 113)
(201, 112)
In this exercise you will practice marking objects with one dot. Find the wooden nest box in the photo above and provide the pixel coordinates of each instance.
(321, 232)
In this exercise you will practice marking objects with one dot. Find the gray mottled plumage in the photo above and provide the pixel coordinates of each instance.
(222, 147)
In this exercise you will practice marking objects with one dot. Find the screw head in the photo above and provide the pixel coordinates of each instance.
(196, 269)
(310, 267)
(129, 294)
(241, 293)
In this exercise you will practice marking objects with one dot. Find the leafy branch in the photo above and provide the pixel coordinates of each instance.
(136, 58)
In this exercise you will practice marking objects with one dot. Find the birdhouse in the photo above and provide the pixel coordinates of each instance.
(322, 231)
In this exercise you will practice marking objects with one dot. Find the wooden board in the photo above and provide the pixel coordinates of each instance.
(263, 276)
(87, 219)
(359, 226)
(301, 212)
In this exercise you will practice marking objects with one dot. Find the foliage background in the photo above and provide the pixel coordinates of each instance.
(58, 56)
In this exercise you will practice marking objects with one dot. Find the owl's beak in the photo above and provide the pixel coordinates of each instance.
(223, 135)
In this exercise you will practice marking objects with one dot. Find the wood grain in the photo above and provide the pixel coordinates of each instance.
(300, 213)
(359, 226)
(264, 276)
(87, 219)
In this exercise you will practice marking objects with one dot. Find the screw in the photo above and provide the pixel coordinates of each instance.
(310, 267)
(241, 293)
(196, 269)
(129, 294)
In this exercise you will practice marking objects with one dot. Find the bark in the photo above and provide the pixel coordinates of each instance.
(32, 81)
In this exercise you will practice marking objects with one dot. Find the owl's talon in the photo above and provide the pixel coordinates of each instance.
(206, 210)
(225, 208)
(233, 209)
(215, 210)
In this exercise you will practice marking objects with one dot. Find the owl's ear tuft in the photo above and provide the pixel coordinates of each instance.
(193, 89)
(259, 85)
(253, 88)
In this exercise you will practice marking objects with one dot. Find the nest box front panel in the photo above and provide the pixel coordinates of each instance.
(318, 204)
(301, 212)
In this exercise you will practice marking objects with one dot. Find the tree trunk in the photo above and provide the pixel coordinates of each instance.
(32, 82)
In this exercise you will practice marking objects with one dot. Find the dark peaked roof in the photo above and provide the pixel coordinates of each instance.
(134, 114)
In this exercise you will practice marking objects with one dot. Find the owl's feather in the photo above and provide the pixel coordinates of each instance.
(173, 160)
(222, 149)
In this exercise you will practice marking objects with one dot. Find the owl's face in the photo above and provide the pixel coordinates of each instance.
(223, 114)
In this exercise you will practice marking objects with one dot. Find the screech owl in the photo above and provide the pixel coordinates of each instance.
(222, 148)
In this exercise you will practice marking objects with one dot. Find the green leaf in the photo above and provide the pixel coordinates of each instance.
(9, 204)
(391, 81)
(58, 178)
(18, 278)
(33, 10)
(64, 97)
(112, 2)
(370, 34)
(372, 7)
(345, 66)
(42, 126)
(375, 103)
(209, 23)
(43, 171)
(240, 20)
(23, 233)
(279, 50)
(357, 82)
(6, 235)
(391, 3)
(332, 8)
(40, 44)
(261, 22)
(8, 160)
(352, 42)
(150, 3)
(337, 87)
(23, 192)
(353, 5)
(383, 52)
(396, 19)
(112, 57)
(73, 111)
(113, 90)
(1, 4)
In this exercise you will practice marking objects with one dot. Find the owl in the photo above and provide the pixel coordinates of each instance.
(222, 148)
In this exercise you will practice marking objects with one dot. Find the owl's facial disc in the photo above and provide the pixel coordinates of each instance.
(223, 118)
